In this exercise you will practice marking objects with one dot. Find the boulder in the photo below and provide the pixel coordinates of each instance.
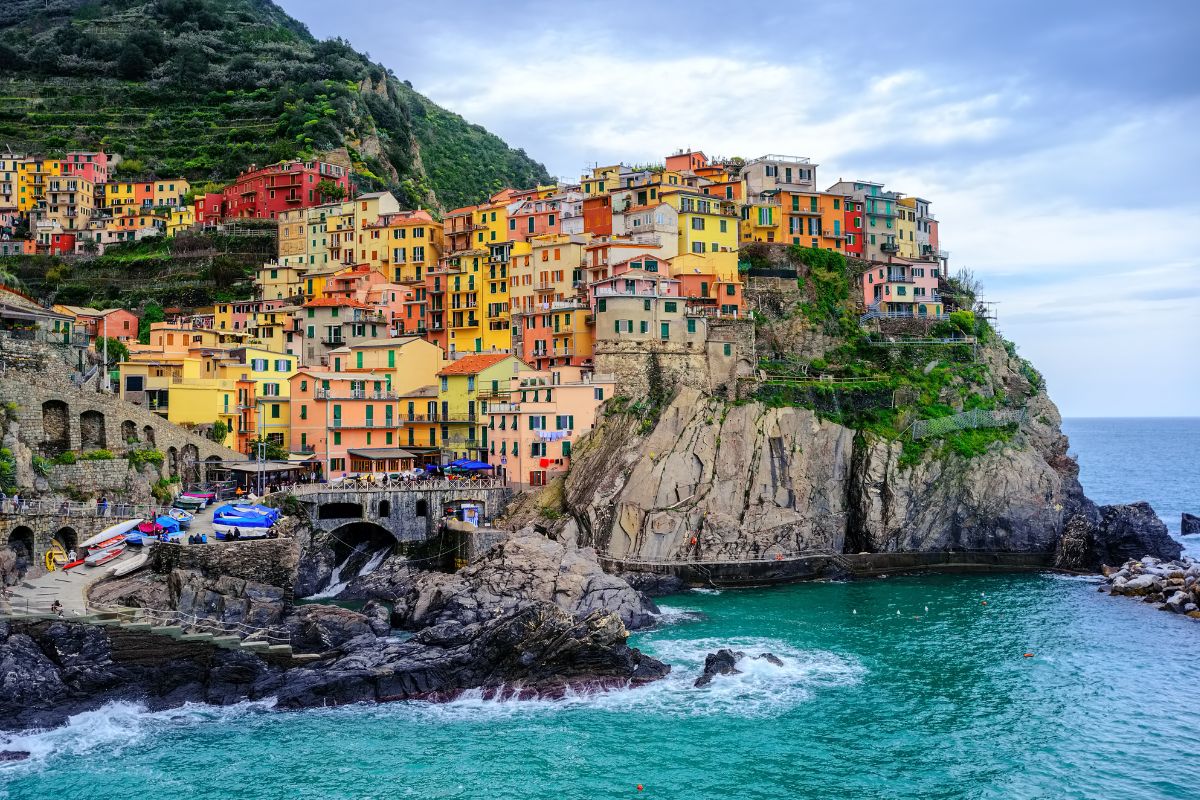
(653, 584)
(1140, 585)
(321, 628)
(722, 662)
(1130, 532)
(379, 617)
(523, 569)
(1189, 524)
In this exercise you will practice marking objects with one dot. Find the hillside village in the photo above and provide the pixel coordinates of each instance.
(382, 338)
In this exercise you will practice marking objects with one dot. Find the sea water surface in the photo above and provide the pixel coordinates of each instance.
(997, 686)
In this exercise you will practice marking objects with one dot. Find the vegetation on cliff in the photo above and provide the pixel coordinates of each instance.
(186, 271)
(881, 385)
(204, 88)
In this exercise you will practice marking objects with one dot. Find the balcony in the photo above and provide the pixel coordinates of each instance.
(470, 322)
(889, 247)
(352, 394)
(333, 342)
(900, 277)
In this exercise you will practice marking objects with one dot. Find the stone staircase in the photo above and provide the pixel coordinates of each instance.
(128, 620)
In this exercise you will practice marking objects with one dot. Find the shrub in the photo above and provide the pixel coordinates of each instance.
(42, 465)
(98, 455)
(66, 457)
(139, 458)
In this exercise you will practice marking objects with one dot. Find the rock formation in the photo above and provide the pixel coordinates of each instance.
(527, 568)
(51, 670)
(1189, 524)
(1174, 585)
(725, 661)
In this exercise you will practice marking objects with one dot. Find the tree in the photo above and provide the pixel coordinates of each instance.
(117, 351)
(330, 191)
(218, 431)
(151, 313)
(132, 64)
(272, 450)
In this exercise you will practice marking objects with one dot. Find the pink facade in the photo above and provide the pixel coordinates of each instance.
(240, 315)
(91, 166)
(115, 323)
(534, 218)
(532, 433)
(347, 420)
(903, 288)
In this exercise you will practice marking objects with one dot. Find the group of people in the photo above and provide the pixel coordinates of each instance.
(17, 503)
(197, 538)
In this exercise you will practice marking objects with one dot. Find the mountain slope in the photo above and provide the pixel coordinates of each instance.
(204, 88)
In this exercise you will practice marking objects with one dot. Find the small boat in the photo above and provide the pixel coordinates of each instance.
(206, 497)
(184, 518)
(192, 504)
(109, 534)
(104, 556)
(132, 565)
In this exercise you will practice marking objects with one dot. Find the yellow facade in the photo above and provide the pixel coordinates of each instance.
(708, 232)
(906, 228)
(460, 410)
(180, 220)
(410, 363)
(276, 281)
(33, 175)
(404, 246)
(270, 372)
(169, 192)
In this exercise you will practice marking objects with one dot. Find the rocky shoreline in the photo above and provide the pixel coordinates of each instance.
(1173, 584)
(533, 617)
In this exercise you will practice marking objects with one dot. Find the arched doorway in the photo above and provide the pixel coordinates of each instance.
(384, 510)
(148, 435)
(62, 543)
(56, 427)
(91, 430)
(172, 462)
(20, 541)
(129, 432)
(191, 463)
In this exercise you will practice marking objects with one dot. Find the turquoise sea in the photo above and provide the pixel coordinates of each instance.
(905, 687)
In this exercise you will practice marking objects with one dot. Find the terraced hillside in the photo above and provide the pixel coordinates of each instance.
(204, 88)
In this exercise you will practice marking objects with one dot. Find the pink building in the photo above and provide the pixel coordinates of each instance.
(902, 288)
(531, 433)
(115, 323)
(91, 166)
(534, 217)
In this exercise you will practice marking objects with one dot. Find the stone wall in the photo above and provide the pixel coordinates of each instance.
(408, 515)
(113, 477)
(705, 366)
(271, 561)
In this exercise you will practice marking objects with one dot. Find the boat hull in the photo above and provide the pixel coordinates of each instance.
(104, 556)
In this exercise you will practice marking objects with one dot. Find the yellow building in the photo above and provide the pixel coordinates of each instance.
(180, 220)
(68, 202)
(304, 237)
(33, 175)
(403, 245)
(408, 362)
(708, 233)
(10, 181)
(270, 373)
(169, 192)
(906, 228)
(460, 411)
(276, 281)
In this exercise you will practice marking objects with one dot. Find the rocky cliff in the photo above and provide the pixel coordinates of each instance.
(801, 465)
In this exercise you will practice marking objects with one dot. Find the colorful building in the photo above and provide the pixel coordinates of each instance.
(463, 386)
(267, 192)
(534, 425)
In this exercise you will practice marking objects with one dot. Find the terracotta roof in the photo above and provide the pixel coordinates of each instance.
(474, 364)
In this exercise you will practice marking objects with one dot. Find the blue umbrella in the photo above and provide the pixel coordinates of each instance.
(477, 465)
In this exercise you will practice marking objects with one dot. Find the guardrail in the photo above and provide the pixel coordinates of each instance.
(391, 484)
(66, 508)
(976, 418)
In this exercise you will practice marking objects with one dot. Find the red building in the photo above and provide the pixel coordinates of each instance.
(854, 228)
(597, 215)
(264, 192)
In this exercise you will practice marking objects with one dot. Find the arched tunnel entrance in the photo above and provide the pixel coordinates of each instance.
(20, 542)
(359, 548)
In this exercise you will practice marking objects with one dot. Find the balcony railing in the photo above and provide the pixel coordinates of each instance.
(900, 277)
(348, 394)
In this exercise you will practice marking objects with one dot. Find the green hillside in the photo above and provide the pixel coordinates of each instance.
(204, 88)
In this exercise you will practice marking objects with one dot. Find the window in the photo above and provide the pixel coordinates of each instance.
(697, 247)
(445, 383)
(664, 330)
(697, 223)
(337, 437)
(691, 325)
(303, 412)
(274, 410)
(728, 349)
(602, 305)
(645, 326)
(723, 226)
(670, 306)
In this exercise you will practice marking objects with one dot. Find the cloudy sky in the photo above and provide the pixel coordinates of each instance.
(1058, 140)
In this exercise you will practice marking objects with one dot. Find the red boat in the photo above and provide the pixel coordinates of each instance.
(98, 557)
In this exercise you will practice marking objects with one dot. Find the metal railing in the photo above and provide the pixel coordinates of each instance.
(388, 482)
(976, 418)
(67, 508)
